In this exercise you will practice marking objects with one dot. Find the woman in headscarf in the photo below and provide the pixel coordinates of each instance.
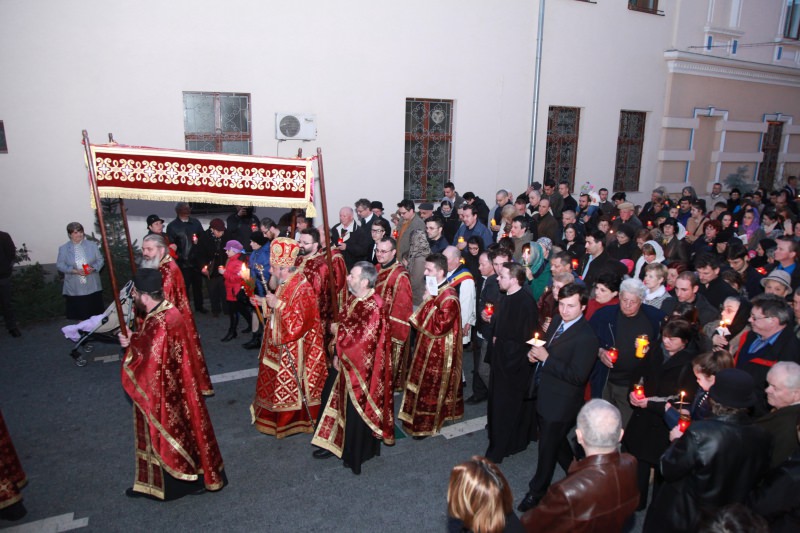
(80, 261)
(414, 262)
(537, 268)
(651, 253)
(750, 230)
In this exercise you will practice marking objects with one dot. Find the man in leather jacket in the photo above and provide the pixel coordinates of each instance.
(599, 493)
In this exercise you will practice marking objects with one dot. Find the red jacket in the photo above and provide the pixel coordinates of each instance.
(233, 277)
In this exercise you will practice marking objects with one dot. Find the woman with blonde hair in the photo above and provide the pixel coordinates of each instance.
(479, 499)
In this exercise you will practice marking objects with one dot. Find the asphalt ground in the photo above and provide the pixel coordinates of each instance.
(73, 431)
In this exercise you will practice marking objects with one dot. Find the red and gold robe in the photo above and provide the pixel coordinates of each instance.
(12, 477)
(339, 278)
(316, 271)
(174, 288)
(365, 375)
(172, 427)
(433, 392)
(394, 288)
(292, 328)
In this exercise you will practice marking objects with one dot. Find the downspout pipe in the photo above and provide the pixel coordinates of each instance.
(536, 86)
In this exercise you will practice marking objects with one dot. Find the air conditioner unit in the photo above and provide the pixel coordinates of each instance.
(295, 127)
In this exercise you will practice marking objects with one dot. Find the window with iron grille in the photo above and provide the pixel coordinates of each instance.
(646, 6)
(791, 27)
(428, 148)
(3, 145)
(562, 144)
(630, 141)
(217, 122)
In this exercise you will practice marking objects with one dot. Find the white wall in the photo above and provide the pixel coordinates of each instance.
(121, 67)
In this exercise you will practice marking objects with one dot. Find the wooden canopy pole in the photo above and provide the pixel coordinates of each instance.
(109, 260)
(124, 214)
(326, 227)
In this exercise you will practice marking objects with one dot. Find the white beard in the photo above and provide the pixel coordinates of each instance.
(149, 263)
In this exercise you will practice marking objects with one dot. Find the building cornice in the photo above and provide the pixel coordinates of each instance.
(693, 64)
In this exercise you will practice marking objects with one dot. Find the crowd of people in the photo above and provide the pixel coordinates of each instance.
(651, 352)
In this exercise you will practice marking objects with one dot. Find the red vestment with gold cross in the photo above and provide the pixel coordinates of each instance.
(315, 268)
(12, 477)
(365, 375)
(172, 427)
(433, 392)
(293, 339)
(394, 287)
(174, 288)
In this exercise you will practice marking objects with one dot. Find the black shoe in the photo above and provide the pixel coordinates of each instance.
(230, 336)
(527, 503)
(13, 512)
(130, 493)
(201, 311)
(420, 437)
(253, 343)
(321, 453)
(247, 329)
(15, 332)
(475, 400)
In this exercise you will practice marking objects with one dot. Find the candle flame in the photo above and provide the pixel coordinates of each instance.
(245, 273)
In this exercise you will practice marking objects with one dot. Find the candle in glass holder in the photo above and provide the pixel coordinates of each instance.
(194, 238)
(684, 422)
(736, 224)
(575, 264)
(491, 223)
(638, 389)
(613, 355)
(649, 223)
(489, 308)
(462, 261)
(394, 234)
(340, 241)
(642, 342)
(86, 269)
(253, 227)
(461, 240)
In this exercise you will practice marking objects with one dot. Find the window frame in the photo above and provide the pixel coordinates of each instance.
(426, 137)
(561, 140)
(623, 151)
(219, 137)
(792, 10)
(634, 5)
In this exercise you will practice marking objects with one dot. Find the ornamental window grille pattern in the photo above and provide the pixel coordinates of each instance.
(428, 148)
(630, 142)
(791, 27)
(771, 147)
(217, 122)
(562, 144)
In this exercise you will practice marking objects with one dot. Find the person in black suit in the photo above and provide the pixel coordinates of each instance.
(353, 241)
(563, 370)
(596, 261)
(771, 340)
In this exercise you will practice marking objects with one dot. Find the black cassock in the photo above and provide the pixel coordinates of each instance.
(512, 414)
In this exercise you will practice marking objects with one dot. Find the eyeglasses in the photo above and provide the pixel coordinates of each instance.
(379, 251)
(755, 318)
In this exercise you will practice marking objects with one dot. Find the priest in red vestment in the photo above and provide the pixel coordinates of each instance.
(394, 288)
(313, 263)
(339, 273)
(12, 477)
(155, 253)
(176, 449)
(433, 392)
(360, 411)
(292, 354)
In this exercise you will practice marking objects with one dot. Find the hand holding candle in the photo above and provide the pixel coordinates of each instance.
(194, 238)
(642, 343)
(489, 309)
(86, 269)
(638, 389)
(613, 355)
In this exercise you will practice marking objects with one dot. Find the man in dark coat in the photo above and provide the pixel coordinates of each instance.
(481, 209)
(712, 286)
(565, 361)
(716, 462)
(241, 224)
(783, 395)
(686, 291)
(596, 261)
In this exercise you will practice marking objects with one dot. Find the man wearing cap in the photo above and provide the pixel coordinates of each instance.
(433, 392)
(291, 370)
(425, 210)
(716, 462)
(377, 209)
(626, 216)
(184, 232)
(359, 413)
(176, 449)
(154, 255)
(779, 283)
(771, 340)
(394, 287)
(155, 226)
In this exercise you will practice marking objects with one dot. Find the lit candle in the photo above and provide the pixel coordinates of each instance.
(681, 401)
(638, 390)
(489, 308)
(461, 240)
(642, 342)
(613, 355)
(504, 235)
(649, 223)
(340, 241)
(736, 224)
(575, 264)
(394, 234)
(492, 223)
(194, 238)
(684, 422)
(253, 227)
(462, 261)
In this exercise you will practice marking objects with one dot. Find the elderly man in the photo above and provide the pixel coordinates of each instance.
(599, 492)
(425, 210)
(409, 221)
(503, 198)
(433, 392)
(176, 449)
(155, 255)
(364, 212)
(360, 411)
(472, 227)
(716, 462)
(394, 287)
(657, 198)
(563, 363)
(489, 294)
(783, 395)
(346, 236)
(546, 223)
(771, 340)
(184, 232)
(460, 278)
(626, 216)
(619, 326)
(291, 370)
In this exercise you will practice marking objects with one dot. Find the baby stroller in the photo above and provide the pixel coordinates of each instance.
(100, 328)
